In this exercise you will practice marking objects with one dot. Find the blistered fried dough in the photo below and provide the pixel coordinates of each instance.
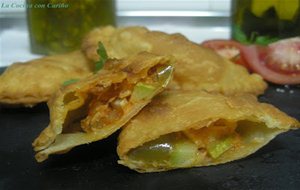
(35, 81)
(95, 107)
(190, 129)
(196, 67)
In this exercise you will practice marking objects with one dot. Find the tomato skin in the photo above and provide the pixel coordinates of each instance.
(228, 49)
(255, 57)
(221, 43)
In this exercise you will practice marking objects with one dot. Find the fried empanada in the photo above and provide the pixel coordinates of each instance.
(35, 81)
(190, 129)
(197, 68)
(95, 107)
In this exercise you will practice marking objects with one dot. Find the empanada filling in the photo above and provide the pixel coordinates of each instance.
(173, 149)
(103, 106)
(203, 145)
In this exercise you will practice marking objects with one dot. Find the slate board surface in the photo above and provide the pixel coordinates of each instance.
(94, 166)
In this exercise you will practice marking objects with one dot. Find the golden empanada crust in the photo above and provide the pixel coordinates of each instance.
(35, 81)
(92, 108)
(175, 111)
(197, 68)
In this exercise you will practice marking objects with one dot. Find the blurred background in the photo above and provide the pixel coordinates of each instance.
(198, 20)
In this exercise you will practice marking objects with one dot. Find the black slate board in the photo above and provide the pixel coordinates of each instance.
(94, 166)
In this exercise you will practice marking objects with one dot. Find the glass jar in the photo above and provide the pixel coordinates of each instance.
(265, 21)
(58, 26)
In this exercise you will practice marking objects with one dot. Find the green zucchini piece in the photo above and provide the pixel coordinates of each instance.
(216, 149)
(142, 91)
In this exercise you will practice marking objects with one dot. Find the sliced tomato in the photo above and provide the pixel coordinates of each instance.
(278, 63)
(228, 49)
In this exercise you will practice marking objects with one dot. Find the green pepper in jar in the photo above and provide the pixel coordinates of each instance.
(57, 26)
(265, 21)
